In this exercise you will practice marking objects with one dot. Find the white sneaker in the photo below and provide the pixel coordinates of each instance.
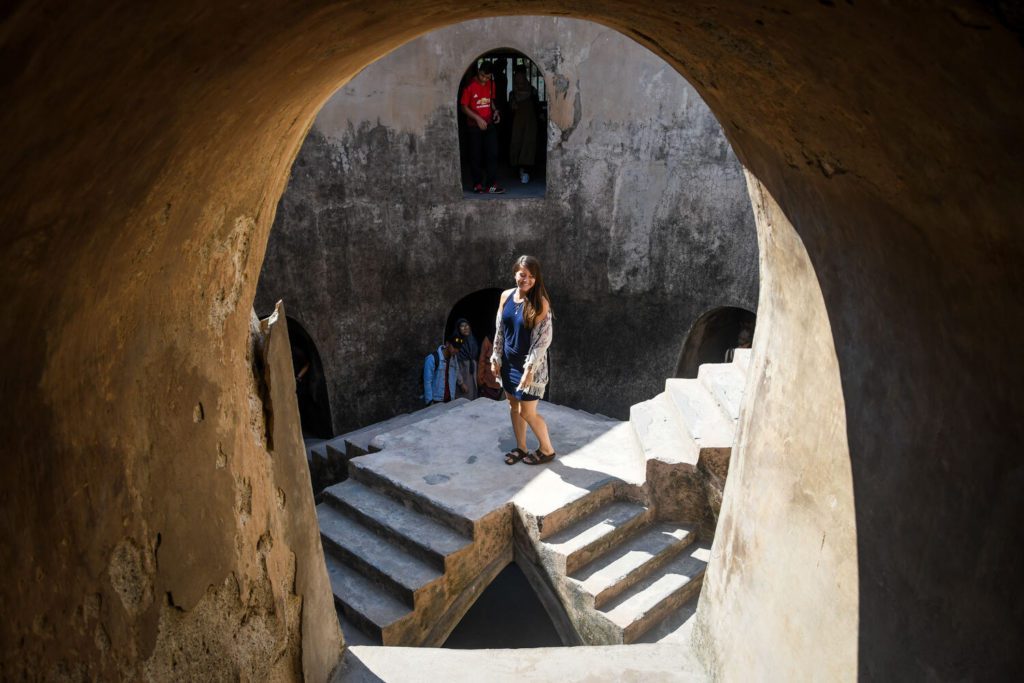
(524, 177)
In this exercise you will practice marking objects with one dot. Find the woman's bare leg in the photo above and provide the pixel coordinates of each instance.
(529, 415)
(518, 423)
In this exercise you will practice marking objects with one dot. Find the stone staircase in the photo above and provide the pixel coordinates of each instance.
(619, 571)
(628, 563)
(384, 559)
(410, 541)
(328, 458)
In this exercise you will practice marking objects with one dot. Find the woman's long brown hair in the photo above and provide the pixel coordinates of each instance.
(538, 292)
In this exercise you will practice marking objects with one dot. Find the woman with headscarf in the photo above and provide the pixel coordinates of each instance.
(467, 359)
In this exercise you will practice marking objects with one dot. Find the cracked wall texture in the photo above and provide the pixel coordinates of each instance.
(646, 218)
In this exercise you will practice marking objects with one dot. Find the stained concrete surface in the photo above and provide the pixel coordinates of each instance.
(621, 663)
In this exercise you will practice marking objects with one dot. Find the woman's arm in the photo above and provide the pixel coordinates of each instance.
(540, 337)
(499, 333)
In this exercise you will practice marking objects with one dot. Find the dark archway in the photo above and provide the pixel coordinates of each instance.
(310, 384)
(517, 121)
(479, 308)
(711, 337)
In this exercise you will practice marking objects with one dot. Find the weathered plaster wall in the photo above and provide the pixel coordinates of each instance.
(786, 542)
(144, 147)
(646, 218)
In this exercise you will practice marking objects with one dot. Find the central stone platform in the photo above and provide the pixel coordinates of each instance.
(456, 459)
(613, 535)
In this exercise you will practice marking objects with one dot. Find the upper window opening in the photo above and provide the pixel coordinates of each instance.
(503, 121)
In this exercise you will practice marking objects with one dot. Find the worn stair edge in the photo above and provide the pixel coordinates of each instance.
(741, 358)
(659, 432)
(354, 635)
(592, 535)
(640, 555)
(725, 382)
(417, 533)
(555, 521)
(374, 556)
(371, 608)
(638, 609)
(676, 627)
(699, 414)
(420, 503)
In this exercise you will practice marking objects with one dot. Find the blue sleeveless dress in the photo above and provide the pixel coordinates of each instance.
(515, 348)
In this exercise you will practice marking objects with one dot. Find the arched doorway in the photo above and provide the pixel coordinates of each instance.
(310, 384)
(520, 97)
(711, 337)
(479, 308)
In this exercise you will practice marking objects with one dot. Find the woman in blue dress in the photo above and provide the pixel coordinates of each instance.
(521, 339)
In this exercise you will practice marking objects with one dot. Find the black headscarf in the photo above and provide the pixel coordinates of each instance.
(470, 347)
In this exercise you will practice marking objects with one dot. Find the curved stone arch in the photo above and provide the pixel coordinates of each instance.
(121, 261)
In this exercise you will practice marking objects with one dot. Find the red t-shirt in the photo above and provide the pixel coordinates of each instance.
(479, 97)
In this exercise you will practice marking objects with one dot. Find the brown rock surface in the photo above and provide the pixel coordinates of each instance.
(145, 147)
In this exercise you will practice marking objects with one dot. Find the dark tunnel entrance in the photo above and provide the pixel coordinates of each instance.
(713, 335)
(479, 309)
(508, 614)
(310, 384)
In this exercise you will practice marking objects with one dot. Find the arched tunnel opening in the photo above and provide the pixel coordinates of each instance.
(714, 336)
(478, 308)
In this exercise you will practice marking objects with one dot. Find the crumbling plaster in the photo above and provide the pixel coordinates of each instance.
(889, 135)
(646, 215)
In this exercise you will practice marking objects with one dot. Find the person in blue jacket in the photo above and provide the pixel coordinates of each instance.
(440, 371)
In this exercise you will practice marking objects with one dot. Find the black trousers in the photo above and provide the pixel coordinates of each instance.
(483, 148)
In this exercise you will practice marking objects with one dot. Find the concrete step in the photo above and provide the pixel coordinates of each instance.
(653, 599)
(374, 556)
(699, 413)
(364, 603)
(659, 432)
(636, 557)
(358, 442)
(741, 359)
(426, 538)
(557, 520)
(677, 627)
(353, 634)
(725, 381)
(409, 497)
(591, 536)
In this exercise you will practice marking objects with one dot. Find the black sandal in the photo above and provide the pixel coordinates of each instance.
(515, 455)
(538, 458)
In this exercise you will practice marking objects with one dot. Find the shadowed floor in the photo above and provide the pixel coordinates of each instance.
(507, 615)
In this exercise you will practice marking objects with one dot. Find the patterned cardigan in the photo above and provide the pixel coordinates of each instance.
(536, 357)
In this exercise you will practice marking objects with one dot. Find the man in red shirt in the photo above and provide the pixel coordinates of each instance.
(477, 103)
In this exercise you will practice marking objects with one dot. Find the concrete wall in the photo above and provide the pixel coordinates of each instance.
(145, 149)
(646, 218)
(783, 573)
